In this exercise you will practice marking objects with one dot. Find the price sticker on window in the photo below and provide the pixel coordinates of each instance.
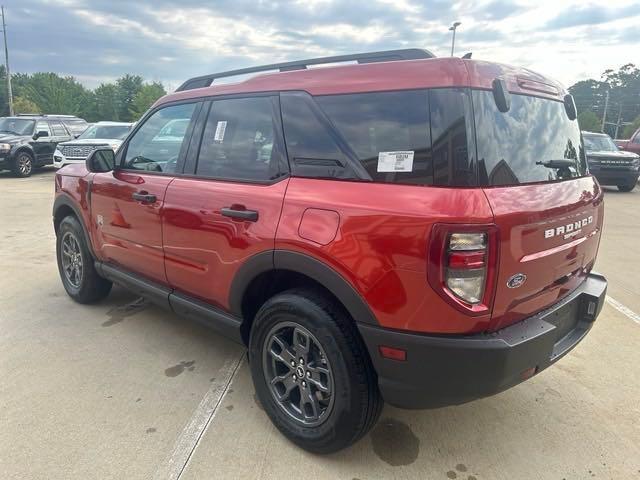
(221, 127)
(395, 161)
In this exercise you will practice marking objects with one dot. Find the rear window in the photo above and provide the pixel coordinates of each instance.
(513, 146)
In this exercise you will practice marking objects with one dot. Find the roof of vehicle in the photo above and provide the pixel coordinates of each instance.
(40, 115)
(385, 75)
(600, 134)
(114, 124)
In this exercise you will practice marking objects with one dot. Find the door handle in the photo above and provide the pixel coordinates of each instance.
(143, 197)
(250, 215)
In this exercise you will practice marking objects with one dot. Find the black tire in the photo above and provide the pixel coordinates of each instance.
(84, 285)
(627, 188)
(356, 402)
(22, 165)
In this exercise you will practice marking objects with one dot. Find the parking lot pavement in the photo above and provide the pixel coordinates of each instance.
(126, 390)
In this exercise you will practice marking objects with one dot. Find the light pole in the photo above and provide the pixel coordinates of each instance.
(452, 28)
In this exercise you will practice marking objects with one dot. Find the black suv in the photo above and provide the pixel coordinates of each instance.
(609, 164)
(28, 141)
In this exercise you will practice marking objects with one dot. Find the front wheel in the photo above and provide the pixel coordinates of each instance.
(22, 165)
(311, 371)
(75, 264)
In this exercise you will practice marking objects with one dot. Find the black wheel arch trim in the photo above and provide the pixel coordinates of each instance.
(66, 201)
(305, 265)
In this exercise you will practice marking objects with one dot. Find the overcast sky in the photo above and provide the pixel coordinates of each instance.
(98, 40)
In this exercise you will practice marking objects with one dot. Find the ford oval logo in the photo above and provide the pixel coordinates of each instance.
(517, 280)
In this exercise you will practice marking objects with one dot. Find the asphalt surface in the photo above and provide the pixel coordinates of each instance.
(126, 390)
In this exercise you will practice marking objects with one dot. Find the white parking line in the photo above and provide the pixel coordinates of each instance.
(624, 310)
(174, 465)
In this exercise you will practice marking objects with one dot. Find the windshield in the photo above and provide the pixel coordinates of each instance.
(17, 126)
(116, 132)
(524, 144)
(599, 143)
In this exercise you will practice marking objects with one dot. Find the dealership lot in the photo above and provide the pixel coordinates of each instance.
(124, 389)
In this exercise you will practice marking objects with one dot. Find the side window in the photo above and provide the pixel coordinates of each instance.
(43, 127)
(388, 132)
(450, 122)
(242, 140)
(157, 144)
(637, 138)
(58, 129)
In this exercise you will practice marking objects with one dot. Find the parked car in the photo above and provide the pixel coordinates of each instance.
(632, 144)
(28, 141)
(388, 229)
(610, 165)
(101, 134)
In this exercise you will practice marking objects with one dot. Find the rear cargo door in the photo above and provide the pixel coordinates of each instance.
(548, 210)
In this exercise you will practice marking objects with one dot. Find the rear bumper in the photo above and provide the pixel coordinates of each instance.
(450, 370)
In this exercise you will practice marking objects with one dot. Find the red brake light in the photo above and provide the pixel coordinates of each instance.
(463, 265)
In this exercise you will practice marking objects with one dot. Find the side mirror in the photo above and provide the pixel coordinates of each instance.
(40, 134)
(101, 161)
(76, 135)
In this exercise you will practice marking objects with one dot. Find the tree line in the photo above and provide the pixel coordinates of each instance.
(622, 87)
(124, 100)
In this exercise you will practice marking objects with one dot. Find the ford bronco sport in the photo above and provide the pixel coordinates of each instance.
(402, 228)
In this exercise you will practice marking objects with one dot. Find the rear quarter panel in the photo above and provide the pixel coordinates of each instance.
(380, 246)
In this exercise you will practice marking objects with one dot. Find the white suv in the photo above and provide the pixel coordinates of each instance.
(101, 134)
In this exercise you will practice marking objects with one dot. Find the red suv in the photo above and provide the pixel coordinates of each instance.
(402, 228)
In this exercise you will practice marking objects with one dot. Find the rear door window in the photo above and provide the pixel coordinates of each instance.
(58, 129)
(388, 133)
(513, 146)
(242, 141)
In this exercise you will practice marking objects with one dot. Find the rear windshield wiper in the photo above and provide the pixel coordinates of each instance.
(559, 163)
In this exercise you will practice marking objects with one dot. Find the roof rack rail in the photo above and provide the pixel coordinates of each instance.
(370, 57)
(44, 115)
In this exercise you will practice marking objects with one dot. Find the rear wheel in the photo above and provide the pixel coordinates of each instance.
(311, 371)
(75, 264)
(627, 188)
(22, 165)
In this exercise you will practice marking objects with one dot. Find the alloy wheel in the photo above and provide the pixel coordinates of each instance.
(298, 373)
(72, 259)
(25, 165)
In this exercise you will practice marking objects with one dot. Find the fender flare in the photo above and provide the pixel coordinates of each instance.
(19, 148)
(66, 201)
(305, 265)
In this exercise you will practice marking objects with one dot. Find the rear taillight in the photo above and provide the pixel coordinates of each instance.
(462, 265)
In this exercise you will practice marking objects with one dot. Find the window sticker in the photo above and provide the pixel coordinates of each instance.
(395, 161)
(221, 127)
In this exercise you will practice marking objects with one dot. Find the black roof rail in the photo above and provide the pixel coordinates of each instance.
(370, 57)
(45, 115)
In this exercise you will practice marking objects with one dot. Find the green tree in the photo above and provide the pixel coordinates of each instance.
(129, 86)
(54, 94)
(107, 102)
(589, 121)
(146, 97)
(24, 105)
(4, 102)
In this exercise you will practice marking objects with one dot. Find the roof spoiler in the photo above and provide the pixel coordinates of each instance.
(370, 57)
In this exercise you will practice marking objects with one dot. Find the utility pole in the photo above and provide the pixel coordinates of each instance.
(452, 28)
(618, 122)
(606, 106)
(6, 59)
